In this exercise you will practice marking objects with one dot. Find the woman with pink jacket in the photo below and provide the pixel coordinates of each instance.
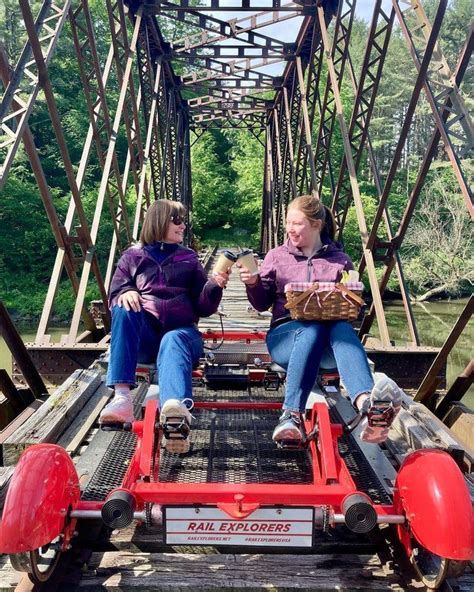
(310, 254)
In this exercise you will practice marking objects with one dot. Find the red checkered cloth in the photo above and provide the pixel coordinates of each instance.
(322, 286)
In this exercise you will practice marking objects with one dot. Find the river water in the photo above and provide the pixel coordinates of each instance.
(434, 321)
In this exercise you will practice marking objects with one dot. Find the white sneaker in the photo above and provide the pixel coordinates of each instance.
(119, 410)
(176, 417)
(382, 407)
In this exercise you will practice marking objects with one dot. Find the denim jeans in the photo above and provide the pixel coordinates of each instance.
(298, 347)
(136, 337)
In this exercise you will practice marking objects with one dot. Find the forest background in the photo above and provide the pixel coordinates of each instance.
(227, 172)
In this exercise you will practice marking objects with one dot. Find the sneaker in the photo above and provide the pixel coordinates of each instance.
(175, 417)
(289, 429)
(119, 410)
(381, 407)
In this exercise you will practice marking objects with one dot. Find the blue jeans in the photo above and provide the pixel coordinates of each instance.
(136, 337)
(298, 347)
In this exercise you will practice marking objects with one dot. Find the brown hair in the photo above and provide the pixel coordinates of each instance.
(157, 220)
(311, 207)
(314, 209)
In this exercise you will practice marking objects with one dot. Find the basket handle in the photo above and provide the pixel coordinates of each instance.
(350, 294)
(303, 295)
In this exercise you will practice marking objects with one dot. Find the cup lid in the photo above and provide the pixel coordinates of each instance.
(245, 252)
(230, 255)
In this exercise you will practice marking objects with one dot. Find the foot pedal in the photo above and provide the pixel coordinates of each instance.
(271, 382)
(380, 414)
(116, 426)
(176, 428)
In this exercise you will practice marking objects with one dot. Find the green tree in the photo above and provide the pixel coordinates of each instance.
(212, 189)
(438, 252)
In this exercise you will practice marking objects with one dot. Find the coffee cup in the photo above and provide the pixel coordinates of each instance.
(225, 262)
(247, 259)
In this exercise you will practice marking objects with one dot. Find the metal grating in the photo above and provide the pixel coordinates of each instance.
(248, 394)
(361, 472)
(235, 446)
(113, 466)
(232, 446)
(111, 469)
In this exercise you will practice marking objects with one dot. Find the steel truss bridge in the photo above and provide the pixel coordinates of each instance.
(226, 80)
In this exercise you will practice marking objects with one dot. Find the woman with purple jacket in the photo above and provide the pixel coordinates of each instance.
(308, 255)
(158, 292)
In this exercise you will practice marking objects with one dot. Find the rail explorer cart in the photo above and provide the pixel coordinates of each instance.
(235, 487)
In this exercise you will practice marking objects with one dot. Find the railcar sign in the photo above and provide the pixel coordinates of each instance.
(269, 527)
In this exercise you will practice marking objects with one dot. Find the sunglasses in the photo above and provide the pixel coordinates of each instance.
(177, 219)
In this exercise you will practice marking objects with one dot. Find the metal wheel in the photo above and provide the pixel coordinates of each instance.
(40, 563)
(21, 562)
(433, 570)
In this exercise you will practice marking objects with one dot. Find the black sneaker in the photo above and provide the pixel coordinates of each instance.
(289, 429)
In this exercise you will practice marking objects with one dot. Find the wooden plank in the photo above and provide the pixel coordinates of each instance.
(5, 476)
(73, 436)
(20, 420)
(54, 416)
(460, 420)
(179, 572)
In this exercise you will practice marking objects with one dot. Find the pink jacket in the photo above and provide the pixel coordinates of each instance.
(286, 264)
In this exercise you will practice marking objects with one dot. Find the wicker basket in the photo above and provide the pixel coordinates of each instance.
(324, 301)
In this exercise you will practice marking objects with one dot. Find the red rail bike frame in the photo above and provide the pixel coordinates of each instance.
(331, 479)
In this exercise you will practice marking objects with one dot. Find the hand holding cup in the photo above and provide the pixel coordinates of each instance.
(221, 278)
(248, 268)
(224, 263)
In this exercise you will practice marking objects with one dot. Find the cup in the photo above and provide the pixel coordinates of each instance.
(225, 262)
(247, 259)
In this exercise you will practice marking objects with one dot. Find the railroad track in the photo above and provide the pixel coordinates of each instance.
(135, 559)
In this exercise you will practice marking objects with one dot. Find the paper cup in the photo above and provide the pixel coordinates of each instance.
(247, 259)
(224, 263)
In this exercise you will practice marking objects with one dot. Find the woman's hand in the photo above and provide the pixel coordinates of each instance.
(221, 278)
(130, 300)
(246, 275)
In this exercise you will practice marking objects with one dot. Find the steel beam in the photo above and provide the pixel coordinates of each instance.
(368, 256)
(423, 171)
(457, 131)
(159, 6)
(26, 80)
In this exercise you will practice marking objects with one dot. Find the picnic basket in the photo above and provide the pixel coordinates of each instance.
(324, 301)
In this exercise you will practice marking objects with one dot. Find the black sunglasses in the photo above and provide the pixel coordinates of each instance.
(177, 219)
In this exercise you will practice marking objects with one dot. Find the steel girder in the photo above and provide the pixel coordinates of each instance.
(290, 171)
(23, 85)
(224, 86)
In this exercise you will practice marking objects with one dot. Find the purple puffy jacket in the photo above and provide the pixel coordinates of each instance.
(286, 264)
(176, 291)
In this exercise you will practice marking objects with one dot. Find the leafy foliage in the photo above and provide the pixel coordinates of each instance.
(227, 169)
